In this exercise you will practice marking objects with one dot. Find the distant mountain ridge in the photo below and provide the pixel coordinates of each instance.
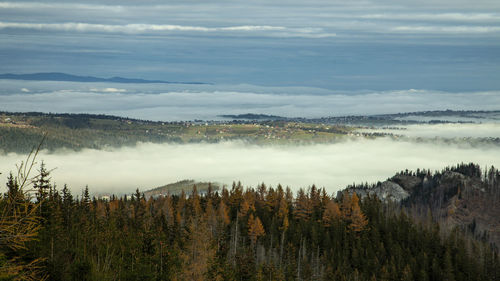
(253, 116)
(59, 76)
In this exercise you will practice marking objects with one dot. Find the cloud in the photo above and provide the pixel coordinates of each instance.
(485, 130)
(317, 19)
(240, 41)
(279, 31)
(328, 165)
(461, 17)
(159, 104)
(447, 29)
(108, 90)
(70, 6)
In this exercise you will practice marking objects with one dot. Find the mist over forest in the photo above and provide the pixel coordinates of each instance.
(333, 166)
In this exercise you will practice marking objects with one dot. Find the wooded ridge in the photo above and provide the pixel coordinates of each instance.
(261, 233)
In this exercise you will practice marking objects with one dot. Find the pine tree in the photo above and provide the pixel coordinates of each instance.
(303, 207)
(12, 188)
(67, 198)
(86, 196)
(42, 187)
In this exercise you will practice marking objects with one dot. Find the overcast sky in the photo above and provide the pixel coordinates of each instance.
(342, 45)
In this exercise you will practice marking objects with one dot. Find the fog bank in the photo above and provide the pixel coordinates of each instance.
(166, 103)
(447, 130)
(327, 165)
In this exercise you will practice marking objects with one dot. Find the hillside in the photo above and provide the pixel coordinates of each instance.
(185, 186)
(19, 132)
(463, 196)
(263, 233)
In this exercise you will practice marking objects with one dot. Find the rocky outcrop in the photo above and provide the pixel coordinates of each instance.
(407, 182)
(385, 191)
(460, 197)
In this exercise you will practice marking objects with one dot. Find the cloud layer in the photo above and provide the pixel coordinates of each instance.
(332, 166)
(353, 45)
(486, 130)
(157, 103)
(256, 30)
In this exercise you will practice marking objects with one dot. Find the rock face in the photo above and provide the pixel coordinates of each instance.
(408, 183)
(385, 191)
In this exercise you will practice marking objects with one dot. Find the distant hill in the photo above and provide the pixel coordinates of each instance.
(252, 116)
(178, 187)
(57, 76)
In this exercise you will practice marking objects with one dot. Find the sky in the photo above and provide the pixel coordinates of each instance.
(385, 45)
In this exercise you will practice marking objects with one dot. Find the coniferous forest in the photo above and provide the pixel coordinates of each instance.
(237, 233)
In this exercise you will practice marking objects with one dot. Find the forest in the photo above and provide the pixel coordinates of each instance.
(236, 233)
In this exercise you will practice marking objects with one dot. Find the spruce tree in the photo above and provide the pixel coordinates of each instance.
(42, 183)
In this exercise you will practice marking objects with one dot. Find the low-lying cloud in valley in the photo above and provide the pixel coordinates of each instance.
(327, 165)
(446, 130)
(175, 102)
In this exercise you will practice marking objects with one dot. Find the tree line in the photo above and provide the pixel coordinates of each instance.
(237, 233)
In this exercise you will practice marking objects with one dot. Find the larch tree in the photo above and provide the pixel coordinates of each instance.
(199, 251)
(283, 216)
(223, 214)
(255, 228)
(19, 225)
(331, 213)
(358, 219)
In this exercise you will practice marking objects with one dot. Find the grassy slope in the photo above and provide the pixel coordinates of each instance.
(20, 132)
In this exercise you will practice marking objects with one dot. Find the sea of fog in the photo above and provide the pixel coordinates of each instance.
(169, 102)
(444, 130)
(332, 166)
